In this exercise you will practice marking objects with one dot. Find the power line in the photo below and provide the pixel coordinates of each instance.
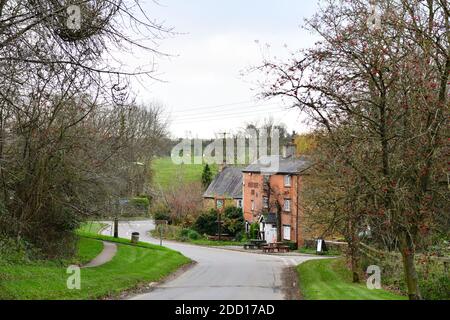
(221, 115)
(217, 106)
(227, 109)
(215, 118)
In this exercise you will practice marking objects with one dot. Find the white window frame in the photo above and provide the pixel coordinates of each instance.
(239, 203)
(287, 181)
(253, 205)
(287, 205)
(266, 202)
(287, 232)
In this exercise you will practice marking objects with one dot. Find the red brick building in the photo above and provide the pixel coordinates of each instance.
(272, 195)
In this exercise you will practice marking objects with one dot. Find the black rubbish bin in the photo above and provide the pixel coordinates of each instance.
(135, 237)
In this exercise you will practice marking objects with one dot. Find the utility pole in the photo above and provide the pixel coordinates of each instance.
(224, 147)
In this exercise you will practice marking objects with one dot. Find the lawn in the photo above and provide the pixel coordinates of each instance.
(132, 265)
(92, 227)
(166, 173)
(173, 234)
(313, 251)
(329, 279)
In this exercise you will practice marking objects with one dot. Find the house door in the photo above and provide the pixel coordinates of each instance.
(271, 234)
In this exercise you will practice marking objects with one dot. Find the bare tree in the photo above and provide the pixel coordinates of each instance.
(391, 84)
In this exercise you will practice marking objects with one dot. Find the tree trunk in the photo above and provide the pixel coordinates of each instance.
(411, 277)
(353, 245)
(279, 226)
(354, 257)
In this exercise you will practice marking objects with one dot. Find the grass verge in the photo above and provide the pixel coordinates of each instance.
(329, 279)
(131, 267)
(312, 251)
(174, 236)
(92, 227)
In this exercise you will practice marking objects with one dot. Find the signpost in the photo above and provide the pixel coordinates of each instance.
(321, 246)
(160, 225)
(122, 203)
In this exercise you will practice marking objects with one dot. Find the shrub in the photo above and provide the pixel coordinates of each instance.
(193, 235)
(206, 223)
(233, 221)
(292, 245)
(435, 288)
(254, 230)
(141, 203)
(160, 211)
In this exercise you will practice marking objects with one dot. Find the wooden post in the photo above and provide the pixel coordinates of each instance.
(116, 227)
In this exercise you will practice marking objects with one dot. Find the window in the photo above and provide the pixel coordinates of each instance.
(239, 203)
(287, 181)
(287, 233)
(219, 204)
(253, 205)
(265, 202)
(287, 205)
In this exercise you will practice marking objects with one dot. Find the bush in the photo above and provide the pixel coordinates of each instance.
(292, 245)
(206, 223)
(234, 223)
(141, 203)
(435, 288)
(193, 235)
(160, 211)
(254, 230)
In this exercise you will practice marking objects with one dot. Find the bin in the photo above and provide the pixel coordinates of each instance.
(135, 237)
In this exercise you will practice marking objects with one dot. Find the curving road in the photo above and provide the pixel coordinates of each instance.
(219, 274)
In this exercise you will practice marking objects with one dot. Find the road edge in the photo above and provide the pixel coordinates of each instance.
(290, 281)
(149, 287)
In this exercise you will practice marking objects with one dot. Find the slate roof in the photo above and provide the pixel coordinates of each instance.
(278, 164)
(227, 184)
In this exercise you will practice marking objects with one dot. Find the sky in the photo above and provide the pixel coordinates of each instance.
(206, 89)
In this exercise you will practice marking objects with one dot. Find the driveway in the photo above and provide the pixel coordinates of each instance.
(219, 274)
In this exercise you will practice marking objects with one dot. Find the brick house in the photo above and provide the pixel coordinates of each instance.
(271, 197)
(225, 190)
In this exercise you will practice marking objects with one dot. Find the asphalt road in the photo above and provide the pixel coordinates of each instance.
(219, 274)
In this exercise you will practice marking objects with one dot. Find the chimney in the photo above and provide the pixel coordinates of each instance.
(290, 150)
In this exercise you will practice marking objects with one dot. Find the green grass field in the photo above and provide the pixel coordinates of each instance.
(92, 227)
(132, 265)
(329, 279)
(166, 173)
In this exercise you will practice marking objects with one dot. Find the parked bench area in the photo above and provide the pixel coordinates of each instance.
(275, 247)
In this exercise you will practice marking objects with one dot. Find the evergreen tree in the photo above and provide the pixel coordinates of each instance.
(206, 176)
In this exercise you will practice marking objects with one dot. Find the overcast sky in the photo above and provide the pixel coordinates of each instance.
(204, 92)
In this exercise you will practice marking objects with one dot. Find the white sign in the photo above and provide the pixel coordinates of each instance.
(319, 245)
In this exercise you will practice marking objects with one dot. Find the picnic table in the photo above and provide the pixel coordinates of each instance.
(254, 244)
(275, 247)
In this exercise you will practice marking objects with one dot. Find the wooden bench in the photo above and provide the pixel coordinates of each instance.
(284, 249)
(268, 249)
(271, 248)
